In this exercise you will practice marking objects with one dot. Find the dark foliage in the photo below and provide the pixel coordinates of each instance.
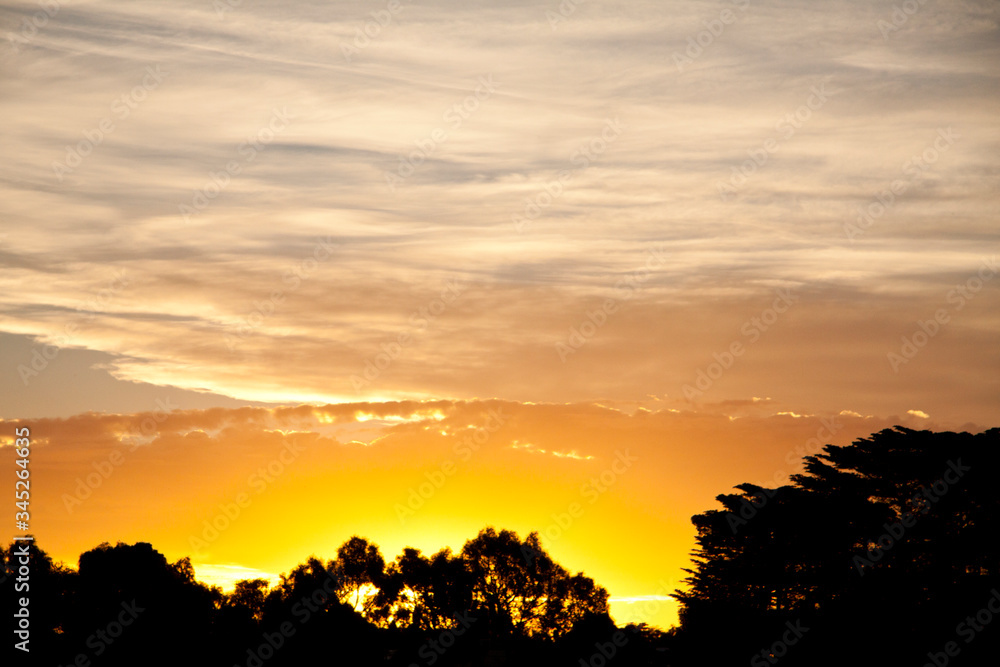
(502, 600)
(880, 549)
(881, 553)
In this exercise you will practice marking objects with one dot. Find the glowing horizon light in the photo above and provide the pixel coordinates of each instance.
(532, 449)
(225, 575)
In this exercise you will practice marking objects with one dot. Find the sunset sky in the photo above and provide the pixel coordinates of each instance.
(664, 242)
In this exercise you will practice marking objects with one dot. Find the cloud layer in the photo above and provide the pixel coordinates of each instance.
(286, 195)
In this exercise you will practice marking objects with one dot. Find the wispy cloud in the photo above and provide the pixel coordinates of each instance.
(352, 122)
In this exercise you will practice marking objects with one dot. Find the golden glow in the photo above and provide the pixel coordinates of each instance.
(611, 492)
(225, 575)
(531, 448)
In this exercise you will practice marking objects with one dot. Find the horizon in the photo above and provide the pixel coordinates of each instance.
(620, 514)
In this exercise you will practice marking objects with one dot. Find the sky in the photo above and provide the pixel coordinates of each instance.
(704, 233)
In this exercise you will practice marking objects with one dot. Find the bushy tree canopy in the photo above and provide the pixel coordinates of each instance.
(901, 526)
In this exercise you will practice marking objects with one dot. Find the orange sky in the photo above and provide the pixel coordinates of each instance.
(254, 491)
(644, 227)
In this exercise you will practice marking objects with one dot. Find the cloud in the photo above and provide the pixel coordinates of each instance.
(352, 123)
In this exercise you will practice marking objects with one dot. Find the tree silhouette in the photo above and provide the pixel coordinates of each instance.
(51, 596)
(439, 587)
(248, 595)
(879, 553)
(359, 570)
(902, 525)
(520, 590)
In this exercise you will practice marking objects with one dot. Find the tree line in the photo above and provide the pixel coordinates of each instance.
(881, 552)
(500, 598)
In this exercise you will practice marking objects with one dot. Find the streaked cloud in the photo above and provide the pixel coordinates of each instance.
(244, 263)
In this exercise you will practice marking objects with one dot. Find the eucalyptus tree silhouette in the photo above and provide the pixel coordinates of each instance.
(248, 596)
(520, 590)
(439, 587)
(359, 568)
